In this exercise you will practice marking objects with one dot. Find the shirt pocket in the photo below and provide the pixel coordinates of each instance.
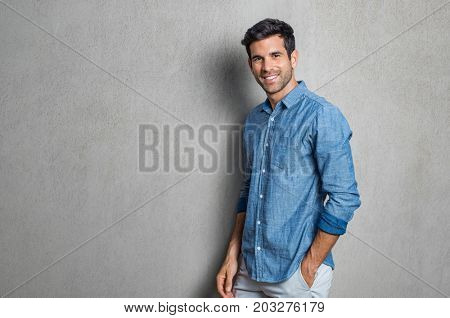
(291, 159)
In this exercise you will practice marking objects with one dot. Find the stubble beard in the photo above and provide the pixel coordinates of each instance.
(284, 78)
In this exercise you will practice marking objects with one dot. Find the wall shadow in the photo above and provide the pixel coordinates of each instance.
(236, 87)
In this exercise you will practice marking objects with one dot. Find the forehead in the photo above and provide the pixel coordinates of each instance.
(267, 45)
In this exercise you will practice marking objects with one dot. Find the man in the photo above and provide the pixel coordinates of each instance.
(296, 152)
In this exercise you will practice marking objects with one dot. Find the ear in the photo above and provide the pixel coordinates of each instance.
(294, 58)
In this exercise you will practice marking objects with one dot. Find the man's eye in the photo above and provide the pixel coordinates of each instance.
(276, 55)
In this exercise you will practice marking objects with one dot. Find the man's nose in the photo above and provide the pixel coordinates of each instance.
(267, 65)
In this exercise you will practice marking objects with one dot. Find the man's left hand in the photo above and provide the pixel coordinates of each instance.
(308, 270)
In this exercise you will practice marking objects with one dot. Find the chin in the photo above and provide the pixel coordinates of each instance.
(272, 89)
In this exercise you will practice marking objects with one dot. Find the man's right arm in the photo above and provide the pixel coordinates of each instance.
(234, 247)
(230, 266)
(229, 269)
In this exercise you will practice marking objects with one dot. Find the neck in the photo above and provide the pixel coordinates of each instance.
(276, 97)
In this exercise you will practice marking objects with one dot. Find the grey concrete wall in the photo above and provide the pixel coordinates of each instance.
(78, 218)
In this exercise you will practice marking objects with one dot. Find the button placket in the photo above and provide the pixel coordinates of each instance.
(259, 205)
(266, 149)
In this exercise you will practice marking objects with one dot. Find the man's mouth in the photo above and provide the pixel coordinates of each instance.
(270, 78)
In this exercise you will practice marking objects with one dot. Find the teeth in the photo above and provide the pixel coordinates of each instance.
(270, 77)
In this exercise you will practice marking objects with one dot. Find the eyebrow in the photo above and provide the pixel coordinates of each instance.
(271, 53)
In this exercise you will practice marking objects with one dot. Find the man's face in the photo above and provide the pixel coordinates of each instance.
(270, 64)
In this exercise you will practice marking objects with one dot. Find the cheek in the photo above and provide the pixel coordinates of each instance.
(286, 67)
(256, 70)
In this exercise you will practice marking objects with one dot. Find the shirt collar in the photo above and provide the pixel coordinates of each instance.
(290, 99)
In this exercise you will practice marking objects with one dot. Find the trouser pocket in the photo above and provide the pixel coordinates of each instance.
(317, 276)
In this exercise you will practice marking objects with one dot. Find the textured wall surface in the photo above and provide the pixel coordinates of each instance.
(78, 218)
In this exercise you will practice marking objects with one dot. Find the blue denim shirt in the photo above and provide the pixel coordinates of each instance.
(294, 157)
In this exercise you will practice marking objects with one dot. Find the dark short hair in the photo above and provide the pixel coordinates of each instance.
(266, 28)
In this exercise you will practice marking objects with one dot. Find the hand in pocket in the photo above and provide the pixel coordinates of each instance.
(308, 272)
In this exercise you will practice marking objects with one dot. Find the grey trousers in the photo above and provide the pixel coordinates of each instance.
(293, 287)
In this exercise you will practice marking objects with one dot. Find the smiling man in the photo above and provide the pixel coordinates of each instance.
(296, 154)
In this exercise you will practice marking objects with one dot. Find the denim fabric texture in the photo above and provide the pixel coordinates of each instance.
(298, 177)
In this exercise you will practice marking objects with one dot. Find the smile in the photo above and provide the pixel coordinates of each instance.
(269, 79)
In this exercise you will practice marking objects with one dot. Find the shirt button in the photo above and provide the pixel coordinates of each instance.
(266, 145)
(263, 170)
(258, 248)
(272, 119)
(261, 196)
(258, 222)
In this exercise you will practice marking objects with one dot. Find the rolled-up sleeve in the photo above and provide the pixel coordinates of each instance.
(331, 136)
(241, 205)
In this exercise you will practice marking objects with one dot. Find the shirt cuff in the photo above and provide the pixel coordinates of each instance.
(241, 205)
(331, 224)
